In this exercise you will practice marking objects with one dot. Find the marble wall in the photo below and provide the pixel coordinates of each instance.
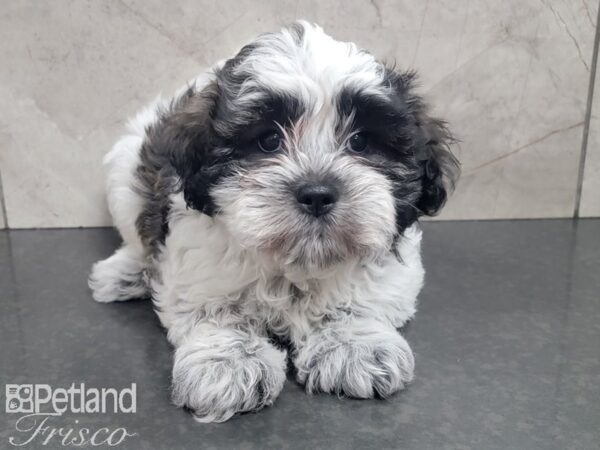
(510, 76)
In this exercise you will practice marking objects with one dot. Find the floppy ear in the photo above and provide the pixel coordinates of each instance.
(185, 134)
(430, 142)
(440, 169)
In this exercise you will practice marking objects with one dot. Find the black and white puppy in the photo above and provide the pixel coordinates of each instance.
(278, 196)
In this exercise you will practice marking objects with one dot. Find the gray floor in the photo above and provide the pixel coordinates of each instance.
(507, 341)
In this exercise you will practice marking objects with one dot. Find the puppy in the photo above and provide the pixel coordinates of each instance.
(276, 198)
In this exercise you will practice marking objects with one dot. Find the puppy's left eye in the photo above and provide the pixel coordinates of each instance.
(358, 142)
(270, 141)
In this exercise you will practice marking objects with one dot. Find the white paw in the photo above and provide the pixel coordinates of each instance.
(226, 372)
(359, 363)
(118, 278)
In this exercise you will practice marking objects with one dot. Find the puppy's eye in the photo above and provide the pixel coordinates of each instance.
(358, 142)
(270, 141)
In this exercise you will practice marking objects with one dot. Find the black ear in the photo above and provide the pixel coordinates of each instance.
(186, 134)
(440, 169)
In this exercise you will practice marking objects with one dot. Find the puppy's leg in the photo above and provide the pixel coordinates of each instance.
(219, 372)
(358, 357)
(119, 277)
(358, 351)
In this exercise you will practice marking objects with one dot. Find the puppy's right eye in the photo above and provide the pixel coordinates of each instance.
(270, 141)
(358, 142)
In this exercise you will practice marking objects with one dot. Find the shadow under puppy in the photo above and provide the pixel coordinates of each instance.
(279, 194)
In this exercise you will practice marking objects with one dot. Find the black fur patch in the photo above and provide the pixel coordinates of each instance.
(410, 148)
(156, 179)
(203, 136)
(174, 156)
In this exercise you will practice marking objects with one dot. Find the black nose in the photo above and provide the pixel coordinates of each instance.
(317, 199)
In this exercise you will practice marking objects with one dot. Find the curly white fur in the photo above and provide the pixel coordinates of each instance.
(220, 372)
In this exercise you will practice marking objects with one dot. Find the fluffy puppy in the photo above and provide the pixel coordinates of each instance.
(277, 197)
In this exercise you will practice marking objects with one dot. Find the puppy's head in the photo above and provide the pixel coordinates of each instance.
(310, 150)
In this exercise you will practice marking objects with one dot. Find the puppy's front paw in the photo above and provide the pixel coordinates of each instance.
(359, 363)
(228, 372)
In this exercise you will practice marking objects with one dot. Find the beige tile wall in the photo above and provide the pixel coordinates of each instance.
(511, 76)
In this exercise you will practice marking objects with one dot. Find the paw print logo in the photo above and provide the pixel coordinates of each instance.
(13, 405)
(19, 398)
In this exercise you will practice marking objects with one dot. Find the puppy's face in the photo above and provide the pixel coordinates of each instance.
(309, 150)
